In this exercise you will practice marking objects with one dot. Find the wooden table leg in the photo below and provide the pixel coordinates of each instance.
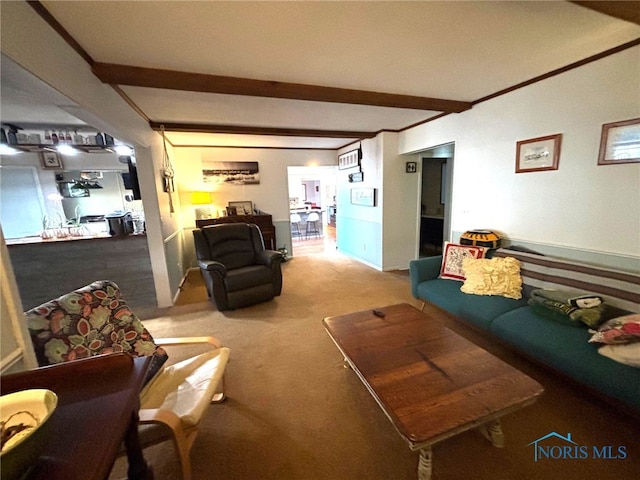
(425, 463)
(138, 467)
(493, 432)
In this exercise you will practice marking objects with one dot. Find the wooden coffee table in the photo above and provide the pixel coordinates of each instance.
(429, 381)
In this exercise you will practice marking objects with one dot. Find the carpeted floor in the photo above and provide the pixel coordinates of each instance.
(294, 413)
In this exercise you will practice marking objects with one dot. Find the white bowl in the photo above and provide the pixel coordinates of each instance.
(31, 408)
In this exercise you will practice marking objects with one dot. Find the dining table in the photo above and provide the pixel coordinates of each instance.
(97, 412)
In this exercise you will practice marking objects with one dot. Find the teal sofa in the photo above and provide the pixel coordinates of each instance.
(560, 346)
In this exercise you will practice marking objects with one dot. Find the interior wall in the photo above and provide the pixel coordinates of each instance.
(270, 196)
(29, 41)
(359, 228)
(401, 207)
(579, 207)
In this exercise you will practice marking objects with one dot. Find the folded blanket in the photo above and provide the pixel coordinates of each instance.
(564, 306)
(568, 298)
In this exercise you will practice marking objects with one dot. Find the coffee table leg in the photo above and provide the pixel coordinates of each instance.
(424, 463)
(493, 432)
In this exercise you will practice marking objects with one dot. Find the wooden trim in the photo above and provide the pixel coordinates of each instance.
(256, 147)
(130, 102)
(251, 130)
(560, 70)
(50, 19)
(626, 10)
(198, 82)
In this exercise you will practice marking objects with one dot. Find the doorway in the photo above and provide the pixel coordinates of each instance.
(435, 199)
(312, 208)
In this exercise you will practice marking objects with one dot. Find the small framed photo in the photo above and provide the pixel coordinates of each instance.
(356, 177)
(411, 167)
(349, 160)
(538, 154)
(363, 196)
(620, 142)
(242, 208)
(51, 160)
(232, 211)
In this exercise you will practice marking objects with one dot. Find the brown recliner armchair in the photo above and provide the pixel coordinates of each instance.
(236, 268)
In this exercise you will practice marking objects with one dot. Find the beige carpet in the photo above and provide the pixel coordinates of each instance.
(294, 413)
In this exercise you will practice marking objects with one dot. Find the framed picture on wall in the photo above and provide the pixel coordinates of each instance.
(620, 142)
(349, 160)
(538, 154)
(363, 196)
(50, 160)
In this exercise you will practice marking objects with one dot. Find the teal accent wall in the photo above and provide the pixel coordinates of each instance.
(361, 239)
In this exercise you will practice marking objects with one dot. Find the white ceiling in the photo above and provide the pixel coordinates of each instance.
(461, 51)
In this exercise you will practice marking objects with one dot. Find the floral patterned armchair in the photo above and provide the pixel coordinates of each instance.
(96, 320)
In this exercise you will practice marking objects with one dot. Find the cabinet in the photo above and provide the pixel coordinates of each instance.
(264, 223)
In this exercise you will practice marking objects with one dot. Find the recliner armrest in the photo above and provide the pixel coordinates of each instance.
(268, 257)
(213, 266)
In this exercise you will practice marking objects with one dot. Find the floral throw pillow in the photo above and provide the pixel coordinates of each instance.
(619, 330)
(93, 320)
(452, 257)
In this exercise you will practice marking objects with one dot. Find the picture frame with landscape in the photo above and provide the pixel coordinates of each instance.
(620, 142)
(538, 154)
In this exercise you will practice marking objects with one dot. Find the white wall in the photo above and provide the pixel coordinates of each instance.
(359, 228)
(401, 207)
(32, 43)
(270, 196)
(580, 206)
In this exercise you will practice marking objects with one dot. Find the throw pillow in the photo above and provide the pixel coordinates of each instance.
(620, 330)
(627, 354)
(452, 257)
(93, 320)
(492, 276)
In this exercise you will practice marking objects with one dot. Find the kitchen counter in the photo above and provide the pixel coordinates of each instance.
(46, 269)
(68, 238)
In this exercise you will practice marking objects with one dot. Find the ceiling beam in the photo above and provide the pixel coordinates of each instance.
(251, 130)
(626, 10)
(197, 82)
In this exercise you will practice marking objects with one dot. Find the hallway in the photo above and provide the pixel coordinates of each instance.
(326, 244)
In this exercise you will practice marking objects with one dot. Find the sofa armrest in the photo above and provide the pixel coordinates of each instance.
(213, 266)
(427, 268)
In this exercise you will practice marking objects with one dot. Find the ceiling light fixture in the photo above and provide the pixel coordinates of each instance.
(66, 150)
(124, 150)
(7, 150)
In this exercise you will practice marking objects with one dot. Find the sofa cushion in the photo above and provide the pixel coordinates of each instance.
(452, 257)
(567, 349)
(492, 276)
(476, 309)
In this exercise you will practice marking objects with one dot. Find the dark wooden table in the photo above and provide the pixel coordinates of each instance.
(98, 402)
(430, 382)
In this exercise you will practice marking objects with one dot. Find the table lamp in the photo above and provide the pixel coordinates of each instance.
(201, 198)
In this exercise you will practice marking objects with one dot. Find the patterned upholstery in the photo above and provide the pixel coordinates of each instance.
(93, 320)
